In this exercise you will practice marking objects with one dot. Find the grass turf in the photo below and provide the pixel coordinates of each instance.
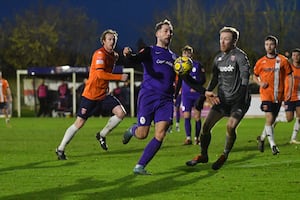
(29, 168)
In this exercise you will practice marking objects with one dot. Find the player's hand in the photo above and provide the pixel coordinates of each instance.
(263, 84)
(124, 77)
(116, 55)
(127, 51)
(214, 99)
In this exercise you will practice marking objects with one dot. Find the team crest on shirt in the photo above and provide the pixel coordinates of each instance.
(232, 58)
(83, 111)
(142, 120)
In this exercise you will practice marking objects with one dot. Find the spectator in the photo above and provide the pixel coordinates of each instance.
(42, 94)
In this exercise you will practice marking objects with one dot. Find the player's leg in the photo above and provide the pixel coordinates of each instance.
(187, 104)
(198, 123)
(69, 134)
(145, 115)
(177, 112)
(296, 127)
(152, 147)
(5, 110)
(162, 117)
(187, 127)
(212, 118)
(270, 118)
(86, 109)
(110, 105)
(197, 115)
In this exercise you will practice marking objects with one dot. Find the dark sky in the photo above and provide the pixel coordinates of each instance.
(127, 17)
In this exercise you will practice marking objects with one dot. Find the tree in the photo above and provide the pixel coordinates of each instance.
(49, 36)
(198, 23)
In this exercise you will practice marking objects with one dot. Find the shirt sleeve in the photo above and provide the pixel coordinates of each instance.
(244, 67)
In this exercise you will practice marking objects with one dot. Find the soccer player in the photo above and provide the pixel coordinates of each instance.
(270, 73)
(177, 106)
(190, 96)
(155, 100)
(293, 105)
(231, 71)
(5, 97)
(95, 95)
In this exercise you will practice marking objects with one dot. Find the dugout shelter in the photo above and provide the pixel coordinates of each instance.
(74, 74)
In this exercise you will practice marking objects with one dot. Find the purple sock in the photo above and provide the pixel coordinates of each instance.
(187, 125)
(198, 128)
(150, 151)
(178, 116)
(133, 128)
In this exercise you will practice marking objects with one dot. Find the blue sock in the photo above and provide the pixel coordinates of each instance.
(133, 128)
(198, 128)
(187, 125)
(150, 151)
(178, 116)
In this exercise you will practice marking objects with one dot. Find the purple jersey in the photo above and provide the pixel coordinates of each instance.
(159, 76)
(196, 73)
(155, 100)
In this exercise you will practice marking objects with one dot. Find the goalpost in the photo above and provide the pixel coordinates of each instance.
(21, 73)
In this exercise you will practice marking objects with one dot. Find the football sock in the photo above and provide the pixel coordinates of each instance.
(263, 135)
(133, 129)
(230, 139)
(69, 134)
(296, 129)
(111, 124)
(197, 128)
(177, 116)
(205, 141)
(187, 125)
(150, 151)
(270, 135)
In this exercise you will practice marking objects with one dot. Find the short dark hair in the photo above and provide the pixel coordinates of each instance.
(160, 24)
(272, 38)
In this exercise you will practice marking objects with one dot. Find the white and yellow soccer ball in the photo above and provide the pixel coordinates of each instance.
(183, 65)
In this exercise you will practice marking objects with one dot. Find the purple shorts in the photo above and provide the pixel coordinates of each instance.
(154, 107)
(178, 101)
(104, 106)
(188, 102)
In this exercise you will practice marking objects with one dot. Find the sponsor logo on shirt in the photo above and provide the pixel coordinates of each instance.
(99, 62)
(228, 68)
(158, 61)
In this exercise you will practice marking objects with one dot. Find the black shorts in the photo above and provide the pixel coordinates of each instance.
(291, 105)
(234, 109)
(3, 105)
(103, 107)
(269, 106)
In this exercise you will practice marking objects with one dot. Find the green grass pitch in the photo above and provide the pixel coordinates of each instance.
(29, 168)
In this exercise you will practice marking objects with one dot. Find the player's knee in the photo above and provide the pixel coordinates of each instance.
(141, 132)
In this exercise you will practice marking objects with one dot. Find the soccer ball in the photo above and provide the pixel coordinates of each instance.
(183, 65)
